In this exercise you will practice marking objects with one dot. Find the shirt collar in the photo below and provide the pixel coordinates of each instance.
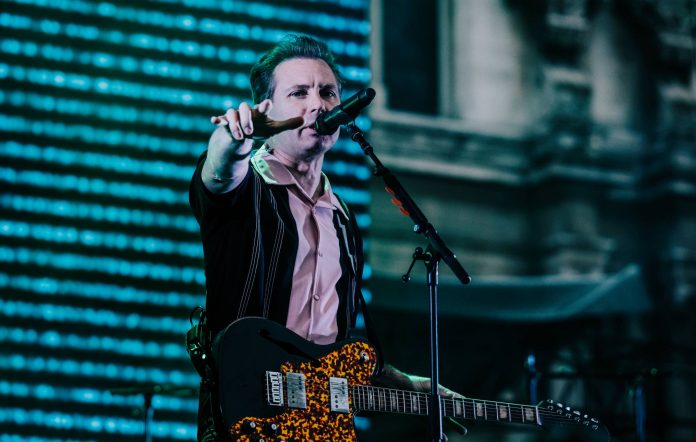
(274, 172)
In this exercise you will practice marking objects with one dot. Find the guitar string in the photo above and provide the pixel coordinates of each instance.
(422, 398)
(517, 416)
(515, 410)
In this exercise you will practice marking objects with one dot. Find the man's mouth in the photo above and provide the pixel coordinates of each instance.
(309, 127)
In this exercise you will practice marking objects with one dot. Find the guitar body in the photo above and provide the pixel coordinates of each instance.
(275, 386)
(250, 348)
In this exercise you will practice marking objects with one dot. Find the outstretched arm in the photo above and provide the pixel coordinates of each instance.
(230, 144)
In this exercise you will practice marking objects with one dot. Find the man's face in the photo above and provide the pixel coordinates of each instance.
(304, 87)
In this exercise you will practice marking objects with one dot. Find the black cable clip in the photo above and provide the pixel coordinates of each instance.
(198, 342)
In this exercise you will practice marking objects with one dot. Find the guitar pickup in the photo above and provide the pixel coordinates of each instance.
(297, 396)
(338, 395)
(274, 389)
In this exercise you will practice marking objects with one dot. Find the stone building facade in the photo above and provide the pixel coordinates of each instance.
(547, 141)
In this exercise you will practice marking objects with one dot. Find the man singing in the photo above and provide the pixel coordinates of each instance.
(278, 243)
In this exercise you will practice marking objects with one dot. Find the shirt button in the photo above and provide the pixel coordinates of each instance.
(316, 297)
(320, 254)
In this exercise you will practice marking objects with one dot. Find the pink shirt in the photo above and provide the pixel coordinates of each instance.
(313, 300)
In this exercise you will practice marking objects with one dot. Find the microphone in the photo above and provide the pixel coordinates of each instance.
(328, 122)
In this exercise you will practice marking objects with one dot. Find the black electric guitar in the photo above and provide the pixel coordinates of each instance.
(277, 386)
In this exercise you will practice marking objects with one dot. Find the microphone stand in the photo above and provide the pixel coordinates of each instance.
(148, 391)
(437, 250)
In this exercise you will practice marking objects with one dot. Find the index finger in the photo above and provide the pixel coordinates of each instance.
(265, 127)
(290, 123)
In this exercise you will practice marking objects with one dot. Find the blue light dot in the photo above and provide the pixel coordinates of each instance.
(45, 391)
(106, 9)
(187, 21)
(20, 390)
(89, 368)
(208, 51)
(17, 362)
(51, 338)
(51, 365)
(50, 26)
(70, 366)
(224, 54)
(31, 335)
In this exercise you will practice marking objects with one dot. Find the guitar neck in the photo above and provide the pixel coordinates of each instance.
(370, 398)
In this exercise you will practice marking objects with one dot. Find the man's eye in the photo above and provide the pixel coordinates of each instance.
(329, 93)
(299, 93)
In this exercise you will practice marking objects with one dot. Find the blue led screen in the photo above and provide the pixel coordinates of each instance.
(104, 109)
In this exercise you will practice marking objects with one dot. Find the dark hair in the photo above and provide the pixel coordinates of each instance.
(291, 46)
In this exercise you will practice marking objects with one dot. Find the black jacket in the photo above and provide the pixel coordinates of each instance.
(250, 246)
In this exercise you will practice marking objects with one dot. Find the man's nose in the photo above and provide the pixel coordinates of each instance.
(317, 103)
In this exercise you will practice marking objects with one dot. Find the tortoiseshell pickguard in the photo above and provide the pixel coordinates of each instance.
(317, 422)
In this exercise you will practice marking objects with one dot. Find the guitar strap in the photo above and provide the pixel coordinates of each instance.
(371, 332)
(199, 347)
(369, 324)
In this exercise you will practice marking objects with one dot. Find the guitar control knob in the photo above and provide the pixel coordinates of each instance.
(248, 426)
(270, 429)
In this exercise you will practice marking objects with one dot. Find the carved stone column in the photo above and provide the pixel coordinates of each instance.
(495, 70)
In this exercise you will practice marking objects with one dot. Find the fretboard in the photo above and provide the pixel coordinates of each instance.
(369, 398)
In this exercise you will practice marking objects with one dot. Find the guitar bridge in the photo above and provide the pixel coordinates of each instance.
(274, 389)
